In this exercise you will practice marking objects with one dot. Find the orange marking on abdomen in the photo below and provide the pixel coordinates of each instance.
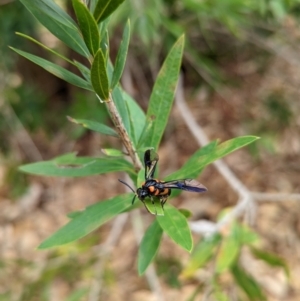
(151, 189)
(156, 192)
(165, 191)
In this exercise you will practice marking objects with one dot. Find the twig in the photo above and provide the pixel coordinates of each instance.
(21, 134)
(117, 120)
(261, 196)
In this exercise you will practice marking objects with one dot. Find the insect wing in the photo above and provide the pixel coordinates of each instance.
(150, 160)
(187, 184)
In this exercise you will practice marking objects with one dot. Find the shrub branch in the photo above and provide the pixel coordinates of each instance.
(120, 128)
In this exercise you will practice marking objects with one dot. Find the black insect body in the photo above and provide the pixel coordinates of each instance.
(154, 188)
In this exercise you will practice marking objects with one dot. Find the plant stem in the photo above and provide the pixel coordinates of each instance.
(117, 120)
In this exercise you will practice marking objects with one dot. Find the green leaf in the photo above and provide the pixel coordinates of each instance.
(154, 207)
(74, 214)
(88, 26)
(119, 101)
(78, 294)
(56, 70)
(271, 259)
(95, 126)
(146, 130)
(186, 213)
(45, 47)
(112, 152)
(58, 22)
(137, 116)
(131, 133)
(71, 166)
(198, 161)
(104, 44)
(121, 56)
(176, 226)
(218, 293)
(201, 255)
(278, 9)
(141, 177)
(149, 246)
(227, 253)
(99, 76)
(162, 95)
(244, 234)
(104, 8)
(90, 219)
(248, 284)
(85, 71)
(92, 5)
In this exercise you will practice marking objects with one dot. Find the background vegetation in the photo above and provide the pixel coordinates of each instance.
(240, 70)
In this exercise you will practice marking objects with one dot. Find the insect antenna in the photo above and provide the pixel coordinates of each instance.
(130, 189)
(127, 185)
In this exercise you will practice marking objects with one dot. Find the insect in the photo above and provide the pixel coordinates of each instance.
(155, 188)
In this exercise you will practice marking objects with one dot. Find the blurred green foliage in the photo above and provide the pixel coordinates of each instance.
(207, 24)
(13, 17)
(70, 265)
(223, 254)
(169, 268)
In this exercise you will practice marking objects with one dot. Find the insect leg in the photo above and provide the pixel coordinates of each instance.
(163, 200)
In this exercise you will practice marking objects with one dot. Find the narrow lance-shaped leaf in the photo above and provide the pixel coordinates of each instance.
(194, 166)
(58, 22)
(227, 253)
(149, 246)
(99, 76)
(104, 39)
(154, 206)
(71, 166)
(90, 219)
(88, 26)
(85, 71)
(201, 255)
(104, 8)
(56, 70)
(136, 115)
(132, 124)
(92, 5)
(121, 57)
(112, 152)
(162, 96)
(271, 259)
(45, 47)
(117, 96)
(176, 226)
(104, 45)
(247, 283)
(95, 126)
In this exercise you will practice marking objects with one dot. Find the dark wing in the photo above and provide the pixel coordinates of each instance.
(187, 184)
(150, 160)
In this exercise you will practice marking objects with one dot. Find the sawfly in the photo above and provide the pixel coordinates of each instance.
(153, 188)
